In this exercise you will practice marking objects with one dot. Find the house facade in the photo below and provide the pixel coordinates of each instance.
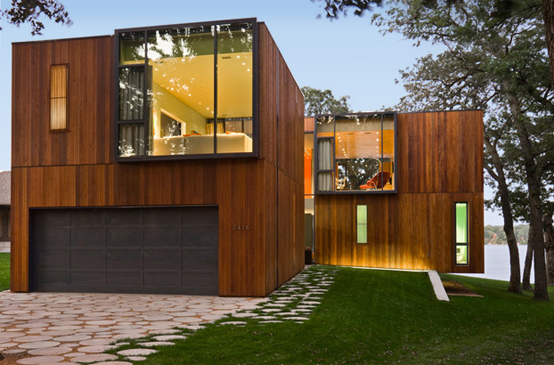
(157, 160)
(396, 190)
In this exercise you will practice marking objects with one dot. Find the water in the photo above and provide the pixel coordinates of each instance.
(497, 263)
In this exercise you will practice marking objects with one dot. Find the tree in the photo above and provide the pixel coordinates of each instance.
(29, 11)
(324, 102)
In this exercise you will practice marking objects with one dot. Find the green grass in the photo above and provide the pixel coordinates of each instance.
(4, 271)
(371, 316)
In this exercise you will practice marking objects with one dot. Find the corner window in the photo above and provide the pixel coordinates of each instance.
(58, 98)
(187, 91)
(462, 249)
(356, 153)
(361, 224)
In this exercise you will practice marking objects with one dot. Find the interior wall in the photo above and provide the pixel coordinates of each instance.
(168, 102)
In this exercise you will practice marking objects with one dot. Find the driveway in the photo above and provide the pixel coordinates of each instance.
(56, 328)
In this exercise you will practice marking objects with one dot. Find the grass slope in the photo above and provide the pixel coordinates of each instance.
(4, 271)
(371, 316)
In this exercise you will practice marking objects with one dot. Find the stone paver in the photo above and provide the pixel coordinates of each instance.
(73, 327)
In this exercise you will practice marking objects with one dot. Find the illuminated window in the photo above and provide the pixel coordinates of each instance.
(361, 224)
(462, 250)
(58, 97)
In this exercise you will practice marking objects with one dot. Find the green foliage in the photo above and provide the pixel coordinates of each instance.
(334, 8)
(494, 235)
(323, 102)
(29, 11)
(4, 271)
(372, 316)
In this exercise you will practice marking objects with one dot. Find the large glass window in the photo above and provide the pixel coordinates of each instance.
(187, 90)
(356, 153)
(461, 234)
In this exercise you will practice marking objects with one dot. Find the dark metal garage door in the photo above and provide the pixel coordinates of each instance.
(169, 250)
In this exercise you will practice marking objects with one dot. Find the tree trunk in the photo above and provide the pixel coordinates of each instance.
(548, 13)
(526, 284)
(536, 238)
(549, 246)
(533, 179)
(498, 175)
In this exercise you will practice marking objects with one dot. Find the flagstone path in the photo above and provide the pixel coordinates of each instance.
(68, 328)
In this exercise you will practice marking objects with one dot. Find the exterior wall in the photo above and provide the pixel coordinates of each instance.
(77, 169)
(439, 162)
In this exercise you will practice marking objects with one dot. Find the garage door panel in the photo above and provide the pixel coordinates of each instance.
(54, 218)
(55, 237)
(58, 259)
(194, 260)
(162, 260)
(124, 217)
(200, 237)
(124, 259)
(162, 237)
(162, 217)
(124, 237)
(88, 218)
(88, 237)
(172, 250)
(88, 259)
(88, 278)
(53, 277)
(162, 279)
(124, 279)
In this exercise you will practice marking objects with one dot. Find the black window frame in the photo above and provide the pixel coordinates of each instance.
(145, 121)
(316, 154)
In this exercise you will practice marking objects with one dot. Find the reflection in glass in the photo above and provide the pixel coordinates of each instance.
(181, 61)
(234, 87)
(131, 48)
(461, 255)
(131, 95)
(131, 140)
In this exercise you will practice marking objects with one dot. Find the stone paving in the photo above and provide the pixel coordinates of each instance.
(67, 328)
(294, 301)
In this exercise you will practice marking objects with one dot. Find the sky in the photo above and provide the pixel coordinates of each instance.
(348, 56)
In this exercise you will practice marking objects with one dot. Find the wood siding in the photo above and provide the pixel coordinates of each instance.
(77, 168)
(439, 162)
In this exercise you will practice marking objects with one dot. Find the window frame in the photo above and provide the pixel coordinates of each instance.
(334, 162)
(455, 238)
(66, 97)
(147, 107)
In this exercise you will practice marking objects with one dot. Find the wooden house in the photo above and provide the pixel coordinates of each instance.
(157, 160)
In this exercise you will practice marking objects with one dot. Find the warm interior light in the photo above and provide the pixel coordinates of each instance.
(58, 97)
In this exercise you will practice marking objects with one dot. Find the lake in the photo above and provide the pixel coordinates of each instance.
(497, 263)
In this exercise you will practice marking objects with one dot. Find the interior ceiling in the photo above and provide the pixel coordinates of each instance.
(191, 80)
(364, 144)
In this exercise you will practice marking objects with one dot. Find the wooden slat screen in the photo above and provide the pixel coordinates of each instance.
(58, 97)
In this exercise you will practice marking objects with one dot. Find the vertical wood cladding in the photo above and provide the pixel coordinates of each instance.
(439, 162)
(77, 168)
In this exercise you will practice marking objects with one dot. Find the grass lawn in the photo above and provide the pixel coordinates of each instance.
(371, 316)
(4, 271)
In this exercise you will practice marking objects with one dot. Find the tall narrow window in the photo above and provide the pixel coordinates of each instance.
(58, 97)
(461, 234)
(361, 224)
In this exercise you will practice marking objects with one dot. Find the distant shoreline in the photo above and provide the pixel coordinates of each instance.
(502, 244)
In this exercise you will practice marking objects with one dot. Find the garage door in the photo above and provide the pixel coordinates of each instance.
(169, 250)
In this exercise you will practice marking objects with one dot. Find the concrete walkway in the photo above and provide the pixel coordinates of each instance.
(57, 328)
